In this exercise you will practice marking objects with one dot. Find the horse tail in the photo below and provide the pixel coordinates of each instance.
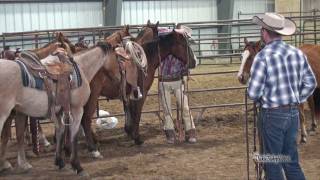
(316, 100)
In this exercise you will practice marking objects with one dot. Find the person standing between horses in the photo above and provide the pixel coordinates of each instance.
(280, 79)
(172, 80)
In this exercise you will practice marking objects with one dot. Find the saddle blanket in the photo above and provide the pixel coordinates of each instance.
(162, 31)
(28, 80)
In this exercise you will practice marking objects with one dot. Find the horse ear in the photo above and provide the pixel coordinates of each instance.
(56, 35)
(178, 26)
(157, 24)
(259, 43)
(245, 40)
(61, 35)
(148, 23)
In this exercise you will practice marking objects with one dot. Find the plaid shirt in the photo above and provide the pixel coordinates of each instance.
(280, 75)
(172, 68)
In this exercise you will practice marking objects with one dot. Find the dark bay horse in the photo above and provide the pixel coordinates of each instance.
(313, 53)
(155, 47)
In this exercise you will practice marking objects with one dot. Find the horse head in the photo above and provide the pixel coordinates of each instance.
(60, 41)
(148, 33)
(249, 52)
(116, 38)
(65, 43)
(177, 43)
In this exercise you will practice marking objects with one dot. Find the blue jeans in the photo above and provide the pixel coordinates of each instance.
(278, 129)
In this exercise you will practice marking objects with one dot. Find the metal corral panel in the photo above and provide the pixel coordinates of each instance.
(138, 12)
(15, 17)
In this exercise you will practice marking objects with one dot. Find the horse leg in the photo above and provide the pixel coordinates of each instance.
(21, 122)
(316, 109)
(133, 122)
(89, 109)
(302, 124)
(43, 138)
(59, 131)
(5, 135)
(74, 128)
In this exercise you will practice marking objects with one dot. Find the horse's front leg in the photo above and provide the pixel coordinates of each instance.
(21, 122)
(74, 128)
(302, 124)
(133, 115)
(5, 135)
(59, 130)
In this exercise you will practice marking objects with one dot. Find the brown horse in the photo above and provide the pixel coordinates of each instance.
(155, 47)
(313, 53)
(175, 43)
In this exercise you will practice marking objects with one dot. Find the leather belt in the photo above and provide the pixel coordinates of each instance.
(288, 106)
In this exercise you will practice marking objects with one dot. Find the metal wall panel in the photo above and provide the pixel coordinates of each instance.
(310, 4)
(251, 6)
(138, 12)
(15, 17)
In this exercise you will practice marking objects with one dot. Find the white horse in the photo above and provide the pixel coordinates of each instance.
(33, 102)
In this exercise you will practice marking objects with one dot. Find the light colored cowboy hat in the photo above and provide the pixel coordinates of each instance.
(275, 22)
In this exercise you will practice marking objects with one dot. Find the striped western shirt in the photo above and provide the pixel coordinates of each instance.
(280, 75)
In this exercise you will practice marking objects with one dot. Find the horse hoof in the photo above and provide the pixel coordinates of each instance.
(24, 168)
(303, 140)
(138, 141)
(96, 154)
(313, 128)
(6, 166)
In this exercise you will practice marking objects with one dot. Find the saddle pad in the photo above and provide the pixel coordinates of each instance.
(28, 80)
(164, 31)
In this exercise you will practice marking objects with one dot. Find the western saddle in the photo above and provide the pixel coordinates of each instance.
(55, 70)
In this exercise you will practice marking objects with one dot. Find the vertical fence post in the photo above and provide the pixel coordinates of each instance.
(93, 37)
(239, 29)
(22, 40)
(247, 134)
(314, 26)
(36, 40)
(4, 40)
(199, 46)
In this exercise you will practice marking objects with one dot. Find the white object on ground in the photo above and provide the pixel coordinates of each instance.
(106, 122)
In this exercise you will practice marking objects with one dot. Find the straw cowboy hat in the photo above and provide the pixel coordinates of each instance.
(275, 22)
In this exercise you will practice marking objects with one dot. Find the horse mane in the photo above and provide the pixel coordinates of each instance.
(141, 33)
(151, 49)
(166, 40)
(105, 46)
(48, 44)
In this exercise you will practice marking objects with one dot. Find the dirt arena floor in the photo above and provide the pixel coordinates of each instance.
(219, 154)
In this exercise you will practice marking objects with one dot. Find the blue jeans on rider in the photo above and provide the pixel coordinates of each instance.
(278, 128)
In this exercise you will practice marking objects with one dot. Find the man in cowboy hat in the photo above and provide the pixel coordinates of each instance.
(280, 79)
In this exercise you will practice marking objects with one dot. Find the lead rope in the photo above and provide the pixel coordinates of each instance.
(161, 123)
(187, 84)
